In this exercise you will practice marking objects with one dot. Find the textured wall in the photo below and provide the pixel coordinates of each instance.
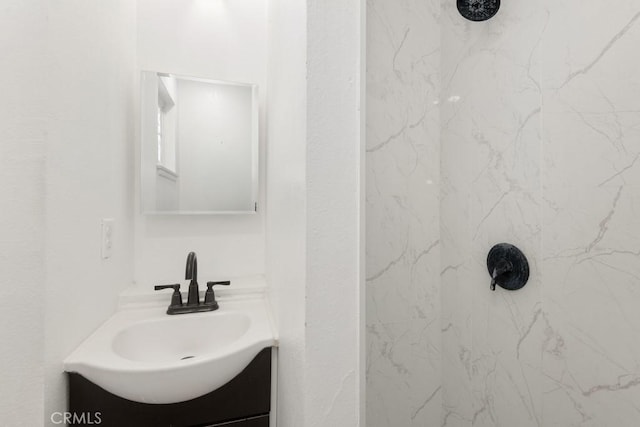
(333, 176)
(402, 214)
(313, 220)
(23, 27)
(89, 174)
(286, 201)
(221, 40)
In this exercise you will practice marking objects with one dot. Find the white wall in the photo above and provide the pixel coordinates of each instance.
(66, 152)
(219, 40)
(23, 116)
(314, 240)
(335, 44)
(90, 56)
(286, 200)
(89, 173)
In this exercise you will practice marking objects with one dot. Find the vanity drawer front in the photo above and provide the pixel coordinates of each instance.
(244, 398)
(262, 421)
(258, 421)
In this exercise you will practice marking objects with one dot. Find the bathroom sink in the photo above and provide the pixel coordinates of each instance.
(146, 356)
(179, 338)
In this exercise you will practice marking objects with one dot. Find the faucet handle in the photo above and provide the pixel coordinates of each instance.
(209, 296)
(225, 283)
(176, 298)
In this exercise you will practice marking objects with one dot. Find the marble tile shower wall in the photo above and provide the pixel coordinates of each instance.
(491, 175)
(536, 142)
(403, 248)
(590, 77)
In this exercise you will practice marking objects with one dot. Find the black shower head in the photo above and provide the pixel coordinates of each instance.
(478, 10)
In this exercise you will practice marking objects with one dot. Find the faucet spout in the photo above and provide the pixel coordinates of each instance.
(191, 273)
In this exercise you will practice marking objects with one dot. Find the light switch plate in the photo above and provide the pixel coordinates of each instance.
(108, 225)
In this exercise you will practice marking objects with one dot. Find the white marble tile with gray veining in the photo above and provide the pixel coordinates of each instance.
(491, 193)
(590, 57)
(402, 208)
(522, 129)
(592, 262)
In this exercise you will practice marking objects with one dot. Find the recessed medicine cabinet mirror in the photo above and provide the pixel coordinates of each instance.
(199, 145)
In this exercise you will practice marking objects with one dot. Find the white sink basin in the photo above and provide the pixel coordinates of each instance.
(147, 356)
(169, 339)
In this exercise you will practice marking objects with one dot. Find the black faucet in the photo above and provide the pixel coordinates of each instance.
(193, 304)
(191, 273)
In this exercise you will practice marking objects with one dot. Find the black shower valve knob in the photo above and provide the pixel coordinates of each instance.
(508, 267)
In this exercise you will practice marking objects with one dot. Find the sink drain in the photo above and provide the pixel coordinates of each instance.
(187, 357)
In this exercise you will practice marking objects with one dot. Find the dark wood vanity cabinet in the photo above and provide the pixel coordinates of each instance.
(245, 401)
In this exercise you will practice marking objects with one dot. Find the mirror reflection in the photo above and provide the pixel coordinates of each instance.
(199, 145)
